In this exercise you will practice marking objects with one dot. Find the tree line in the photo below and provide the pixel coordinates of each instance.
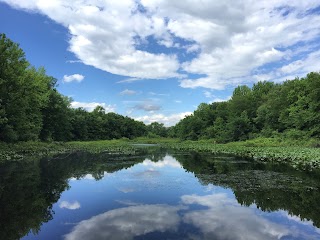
(31, 108)
(290, 109)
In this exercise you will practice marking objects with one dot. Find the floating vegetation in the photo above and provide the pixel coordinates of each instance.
(32, 150)
(301, 158)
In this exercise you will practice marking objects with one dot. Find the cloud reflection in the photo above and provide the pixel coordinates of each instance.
(127, 223)
(126, 190)
(167, 161)
(225, 219)
(68, 205)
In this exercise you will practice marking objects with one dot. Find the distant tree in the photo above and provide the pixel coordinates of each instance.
(220, 131)
(157, 129)
(79, 123)
(240, 127)
(31, 108)
(57, 118)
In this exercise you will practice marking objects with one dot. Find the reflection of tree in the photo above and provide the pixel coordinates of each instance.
(270, 187)
(29, 189)
(156, 154)
(23, 205)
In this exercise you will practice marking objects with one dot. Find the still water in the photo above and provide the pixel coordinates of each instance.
(159, 194)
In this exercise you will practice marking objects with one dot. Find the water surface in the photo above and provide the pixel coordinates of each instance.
(158, 195)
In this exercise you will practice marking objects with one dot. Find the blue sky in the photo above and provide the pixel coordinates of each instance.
(157, 60)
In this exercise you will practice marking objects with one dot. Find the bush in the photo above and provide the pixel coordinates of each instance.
(295, 134)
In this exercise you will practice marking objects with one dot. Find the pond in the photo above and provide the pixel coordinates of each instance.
(160, 194)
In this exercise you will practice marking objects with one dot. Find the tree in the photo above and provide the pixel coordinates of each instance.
(220, 131)
(241, 100)
(13, 65)
(57, 118)
(240, 127)
(79, 123)
(158, 129)
(24, 92)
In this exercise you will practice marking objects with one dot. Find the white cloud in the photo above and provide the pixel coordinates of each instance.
(219, 218)
(208, 94)
(232, 42)
(68, 205)
(147, 106)
(90, 106)
(103, 35)
(127, 190)
(87, 177)
(298, 68)
(159, 94)
(222, 218)
(73, 78)
(216, 99)
(127, 202)
(167, 120)
(296, 218)
(128, 92)
(236, 39)
(127, 223)
(166, 161)
(130, 80)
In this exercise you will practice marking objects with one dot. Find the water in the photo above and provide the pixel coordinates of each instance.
(158, 195)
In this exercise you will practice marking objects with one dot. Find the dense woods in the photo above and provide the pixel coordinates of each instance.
(31, 108)
(290, 109)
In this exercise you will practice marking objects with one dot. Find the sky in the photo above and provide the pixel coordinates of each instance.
(157, 60)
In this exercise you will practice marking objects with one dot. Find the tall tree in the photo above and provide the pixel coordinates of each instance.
(24, 92)
(57, 118)
(158, 129)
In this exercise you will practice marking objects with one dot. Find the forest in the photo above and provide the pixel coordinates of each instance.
(290, 109)
(32, 109)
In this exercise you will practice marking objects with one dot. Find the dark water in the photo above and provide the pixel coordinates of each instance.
(158, 195)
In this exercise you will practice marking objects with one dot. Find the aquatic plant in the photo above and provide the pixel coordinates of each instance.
(302, 158)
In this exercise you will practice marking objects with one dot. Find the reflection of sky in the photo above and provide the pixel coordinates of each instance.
(90, 177)
(223, 218)
(69, 205)
(126, 223)
(306, 228)
(162, 198)
(167, 161)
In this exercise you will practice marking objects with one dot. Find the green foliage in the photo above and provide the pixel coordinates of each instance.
(15, 101)
(270, 187)
(240, 127)
(291, 109)
(30, 188)
(33, 150)
(220, 132)
(303, 158)
(157, 129)
(32, 109)
(56, 118)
